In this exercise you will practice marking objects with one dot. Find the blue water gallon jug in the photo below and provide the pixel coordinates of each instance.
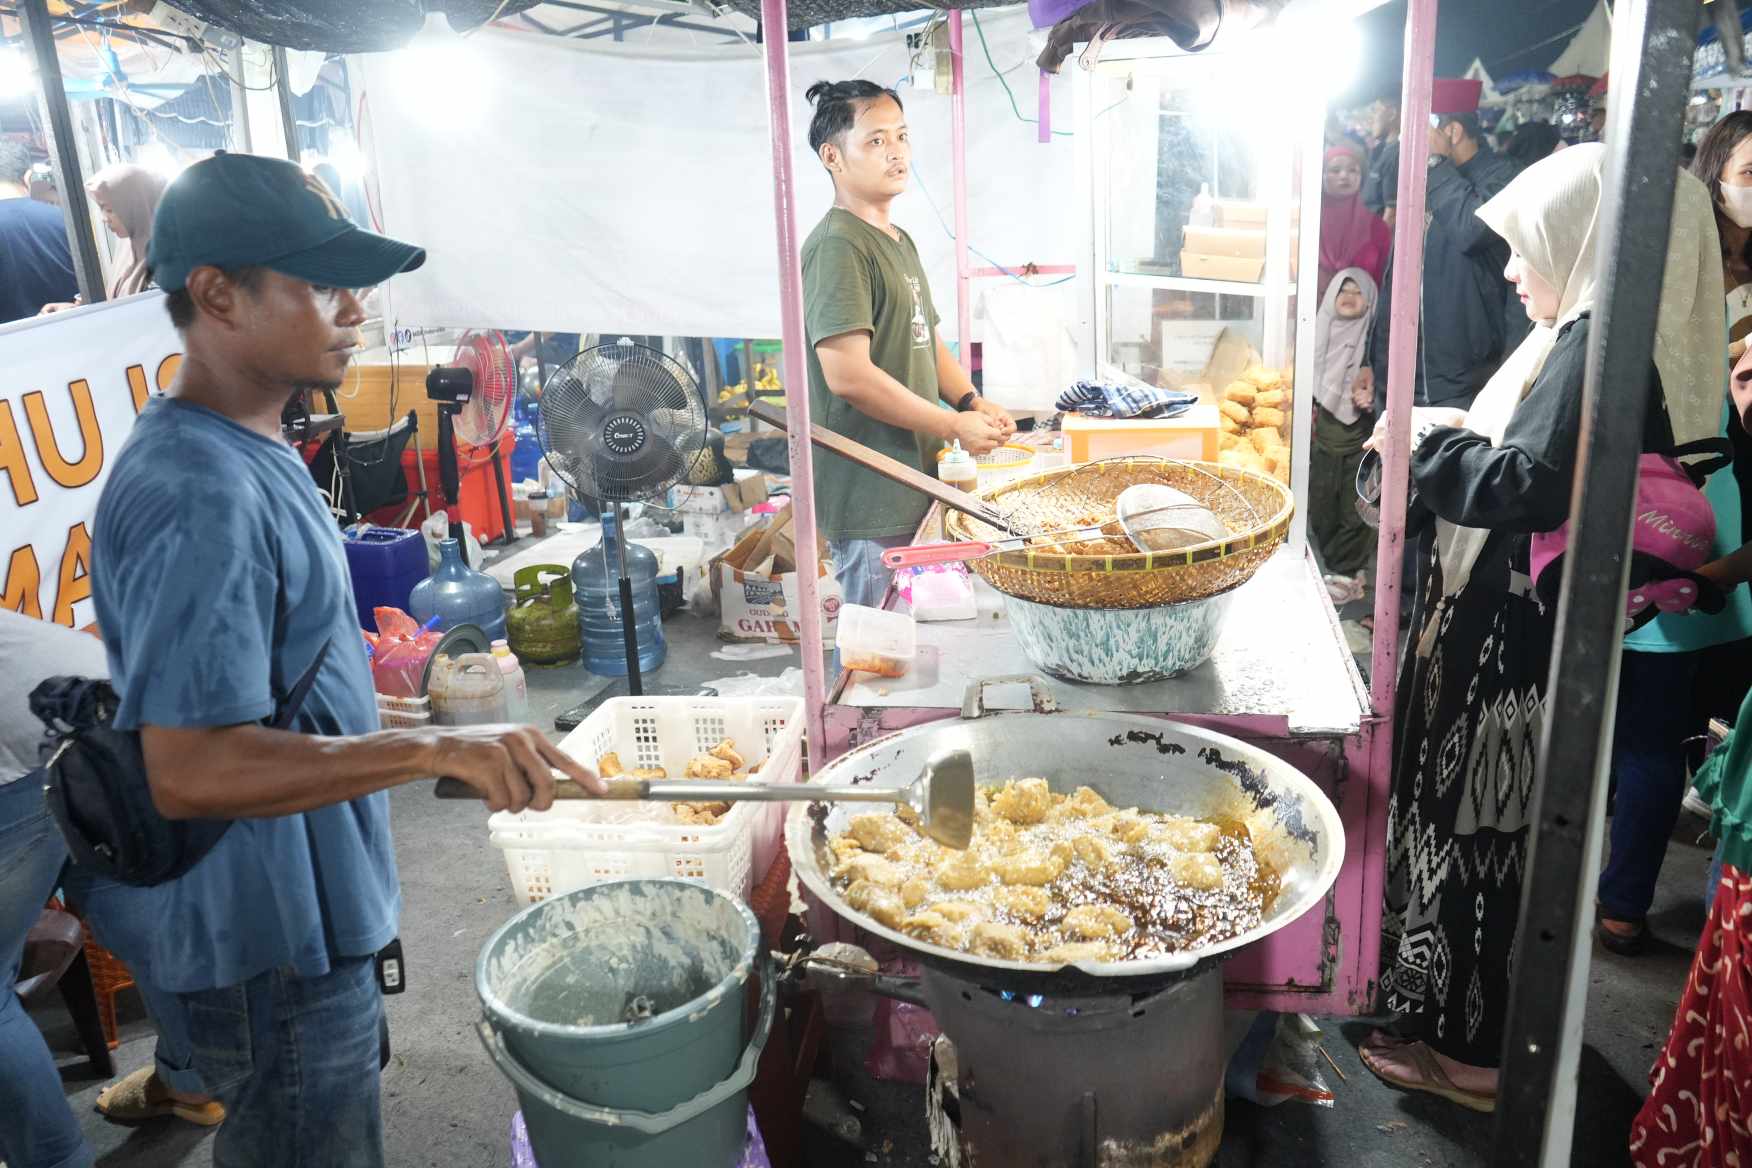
(457, 594)
(386, 563)
(596, 588)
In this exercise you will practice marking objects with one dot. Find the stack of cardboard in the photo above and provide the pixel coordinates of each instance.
(757, 585)
(1223, 253)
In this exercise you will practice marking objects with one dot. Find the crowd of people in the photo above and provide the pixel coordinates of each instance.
(35, 258)
(1509, 283)
(257, 963)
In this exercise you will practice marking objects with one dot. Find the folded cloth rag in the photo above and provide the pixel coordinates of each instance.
(1104, 399)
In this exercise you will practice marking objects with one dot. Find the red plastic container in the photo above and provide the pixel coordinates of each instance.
(479, 489)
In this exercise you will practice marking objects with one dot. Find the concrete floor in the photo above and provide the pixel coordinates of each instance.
(444, 1105)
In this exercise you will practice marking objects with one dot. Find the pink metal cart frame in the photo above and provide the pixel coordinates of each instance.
(1349, 955)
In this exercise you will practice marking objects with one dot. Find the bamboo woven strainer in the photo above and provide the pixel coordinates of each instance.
(1256, 509)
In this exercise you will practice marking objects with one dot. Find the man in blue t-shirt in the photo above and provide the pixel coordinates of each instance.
(36, 265)
(219, 576)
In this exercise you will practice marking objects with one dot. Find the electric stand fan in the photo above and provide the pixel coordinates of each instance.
(474, 395)
(622, 423)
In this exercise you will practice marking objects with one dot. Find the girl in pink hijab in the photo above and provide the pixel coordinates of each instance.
(1351, 236)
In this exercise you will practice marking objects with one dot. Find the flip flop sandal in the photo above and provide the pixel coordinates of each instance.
(130, 1100)
(1623, 944)
(1431, 1079)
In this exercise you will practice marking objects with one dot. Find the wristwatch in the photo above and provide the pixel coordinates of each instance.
(966, 402)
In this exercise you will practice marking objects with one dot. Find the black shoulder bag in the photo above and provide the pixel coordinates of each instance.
(94, 779)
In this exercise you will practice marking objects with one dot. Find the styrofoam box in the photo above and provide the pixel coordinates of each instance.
(581, 841)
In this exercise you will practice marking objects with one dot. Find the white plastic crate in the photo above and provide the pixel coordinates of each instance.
(403, 713)
(582, 841)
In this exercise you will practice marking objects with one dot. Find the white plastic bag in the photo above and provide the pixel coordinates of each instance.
(748, 685)
(437, 529)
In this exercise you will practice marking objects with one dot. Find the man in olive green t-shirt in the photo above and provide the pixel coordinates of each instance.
(878, 373)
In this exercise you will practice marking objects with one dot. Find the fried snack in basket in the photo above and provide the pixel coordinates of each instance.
(721, 764)
(1266, 416)
(1228, 425)
(1244, 392)
(1235, 411)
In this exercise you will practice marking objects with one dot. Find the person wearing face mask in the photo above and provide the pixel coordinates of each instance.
(1473, 683)
(1679, 672)
(1460, 342)
(1381, 187)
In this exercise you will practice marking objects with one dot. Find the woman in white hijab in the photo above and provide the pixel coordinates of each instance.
(1472, 691)
(1341, 426)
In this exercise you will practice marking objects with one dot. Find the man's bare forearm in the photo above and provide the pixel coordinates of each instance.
(234, 772)
(953, 383)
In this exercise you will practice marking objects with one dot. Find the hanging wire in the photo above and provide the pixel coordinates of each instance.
(1008, 92)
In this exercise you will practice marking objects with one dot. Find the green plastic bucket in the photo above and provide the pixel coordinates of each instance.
(666, 1089)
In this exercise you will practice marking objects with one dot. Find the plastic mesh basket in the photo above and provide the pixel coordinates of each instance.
(581, 841)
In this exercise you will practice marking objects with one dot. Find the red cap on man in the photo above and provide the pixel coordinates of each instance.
(1455, 95)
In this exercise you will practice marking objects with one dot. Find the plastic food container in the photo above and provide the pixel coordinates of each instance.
(875, 641)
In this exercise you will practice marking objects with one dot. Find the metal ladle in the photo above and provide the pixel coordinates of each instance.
(1156, 518)
(941, 797)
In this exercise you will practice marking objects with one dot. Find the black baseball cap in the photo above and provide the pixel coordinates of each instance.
(244, 210)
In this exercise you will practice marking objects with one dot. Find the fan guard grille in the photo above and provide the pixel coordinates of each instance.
(622, 423)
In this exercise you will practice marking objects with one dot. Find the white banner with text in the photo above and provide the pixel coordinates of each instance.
(70, 387)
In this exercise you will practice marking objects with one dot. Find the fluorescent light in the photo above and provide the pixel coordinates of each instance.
(431, 74)
(346, 157)
(17, 78)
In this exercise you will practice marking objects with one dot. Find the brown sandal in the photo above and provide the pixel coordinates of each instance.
(1431, 1079)
(139, 1096)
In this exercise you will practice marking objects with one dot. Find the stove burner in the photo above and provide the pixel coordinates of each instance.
(1088, 1111)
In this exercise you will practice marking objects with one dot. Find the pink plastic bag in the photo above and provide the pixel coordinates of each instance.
(400, 650)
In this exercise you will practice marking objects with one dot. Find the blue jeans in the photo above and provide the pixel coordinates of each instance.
(38, 1130)
(1656, 714)
(117, 931)
(857, 565)
(295, 1061)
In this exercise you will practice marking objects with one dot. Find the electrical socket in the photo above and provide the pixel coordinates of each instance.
(175, 20)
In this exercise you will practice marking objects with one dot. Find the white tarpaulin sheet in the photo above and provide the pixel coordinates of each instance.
(70, 386)
(600, 187)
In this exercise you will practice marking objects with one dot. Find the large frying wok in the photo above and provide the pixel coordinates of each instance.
(1132, 760)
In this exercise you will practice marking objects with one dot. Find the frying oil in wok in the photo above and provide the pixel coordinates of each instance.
(1046, 872)
(1170, 916)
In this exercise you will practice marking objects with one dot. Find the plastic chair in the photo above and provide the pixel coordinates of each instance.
(54, 957)
(109, 976)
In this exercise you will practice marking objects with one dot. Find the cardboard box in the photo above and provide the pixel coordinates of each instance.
(758, 588)
(1240, 213)
(1191, 436)
(1237, 242)
(1197, 266)
(748, 489)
